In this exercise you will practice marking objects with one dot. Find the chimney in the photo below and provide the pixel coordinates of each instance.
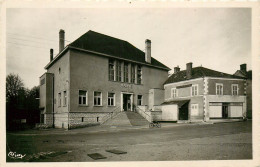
(51, 54)
(189, 70)
(176, 69)
(62, 39)
(243, 68)
(148, 51)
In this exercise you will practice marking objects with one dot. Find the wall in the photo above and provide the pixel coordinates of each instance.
(90, 72)
(170, 112)
(226, 86)
(61, 81)
(156, 98)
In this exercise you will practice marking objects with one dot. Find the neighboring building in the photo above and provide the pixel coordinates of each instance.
(248, 75)
(201, 94)
(94, 77)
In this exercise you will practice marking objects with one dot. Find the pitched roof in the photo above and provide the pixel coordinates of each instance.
(247, 74)
(101, 43)
(198, 72)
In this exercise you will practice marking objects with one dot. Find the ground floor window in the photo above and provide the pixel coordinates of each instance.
(111, 99)
(65, 98)
(139, 100)
(83, 97)
(97, 98)
(59, 99)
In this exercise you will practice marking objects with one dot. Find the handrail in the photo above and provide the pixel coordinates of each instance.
(144, 111)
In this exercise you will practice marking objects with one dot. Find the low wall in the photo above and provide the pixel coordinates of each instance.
(143, 111)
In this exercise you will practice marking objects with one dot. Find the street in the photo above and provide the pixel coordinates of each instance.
(223, 141)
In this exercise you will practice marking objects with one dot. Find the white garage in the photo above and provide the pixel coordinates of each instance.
(170, 110)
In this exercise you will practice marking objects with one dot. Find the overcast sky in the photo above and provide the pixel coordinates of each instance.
(216, 38)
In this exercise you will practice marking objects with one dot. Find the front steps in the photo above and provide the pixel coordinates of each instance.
(127, 118)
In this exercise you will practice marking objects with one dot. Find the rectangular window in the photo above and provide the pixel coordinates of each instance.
(174, 92)
(194, 109)
(111, 99)
(59, 99)
(83, 97)
(132, 73)
(125, 72)
(219, 89)
(64, 98)
(139, 74)
(194, 90)
(111, 70)
(97, 98)
(118, 71)
(234, 89)
(139, 100)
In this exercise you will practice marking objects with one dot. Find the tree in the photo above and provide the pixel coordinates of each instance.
(14, 85)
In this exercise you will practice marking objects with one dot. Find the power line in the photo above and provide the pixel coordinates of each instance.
(27, 40)
(28, 45)
(36, 37)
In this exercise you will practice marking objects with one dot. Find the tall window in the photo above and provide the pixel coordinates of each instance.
(174, 92)
(111, 70)
(59, 99)
(125, 72)
(111, 99)
(219, 89)
(97, 98)
(139, 74)
(139, 100)
(132, 73)
(194, 90)
(83, 97)
(234, 89)
(118, 71)
(64, 98)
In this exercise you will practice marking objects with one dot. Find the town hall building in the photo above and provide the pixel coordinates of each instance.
(98, 76)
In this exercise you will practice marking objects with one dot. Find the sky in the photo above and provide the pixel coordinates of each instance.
(216, 38)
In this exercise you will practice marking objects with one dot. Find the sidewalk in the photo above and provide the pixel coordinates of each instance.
(110, 128)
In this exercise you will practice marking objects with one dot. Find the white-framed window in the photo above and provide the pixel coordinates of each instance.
(174, 92)
(126, 72)
(83, 97)
(111, 69)
(195, 90)
(59, 99)
(64, 98)
(234, 89)
(194, 109)
(139, 74)
(97, 98)
(111, 99)
(133, 73)
(118, 71)
(219, 89)
(139, 100)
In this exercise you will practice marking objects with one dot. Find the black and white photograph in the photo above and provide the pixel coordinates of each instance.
(129, 84)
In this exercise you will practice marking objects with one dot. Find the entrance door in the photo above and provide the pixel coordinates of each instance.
(126, 102)
(183, 112)
(225, 110)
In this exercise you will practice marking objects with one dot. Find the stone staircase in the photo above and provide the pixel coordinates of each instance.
(127, 118)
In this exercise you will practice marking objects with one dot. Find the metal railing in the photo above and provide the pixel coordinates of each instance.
(111, 114)
(145, 112)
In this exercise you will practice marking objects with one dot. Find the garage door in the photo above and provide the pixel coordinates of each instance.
(236, 110)
(215, 110)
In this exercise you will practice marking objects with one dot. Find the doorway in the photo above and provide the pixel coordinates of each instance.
(127, 102)
(184, 111)
(225, 108)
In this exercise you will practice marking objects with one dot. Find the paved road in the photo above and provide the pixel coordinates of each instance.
(187, 142)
